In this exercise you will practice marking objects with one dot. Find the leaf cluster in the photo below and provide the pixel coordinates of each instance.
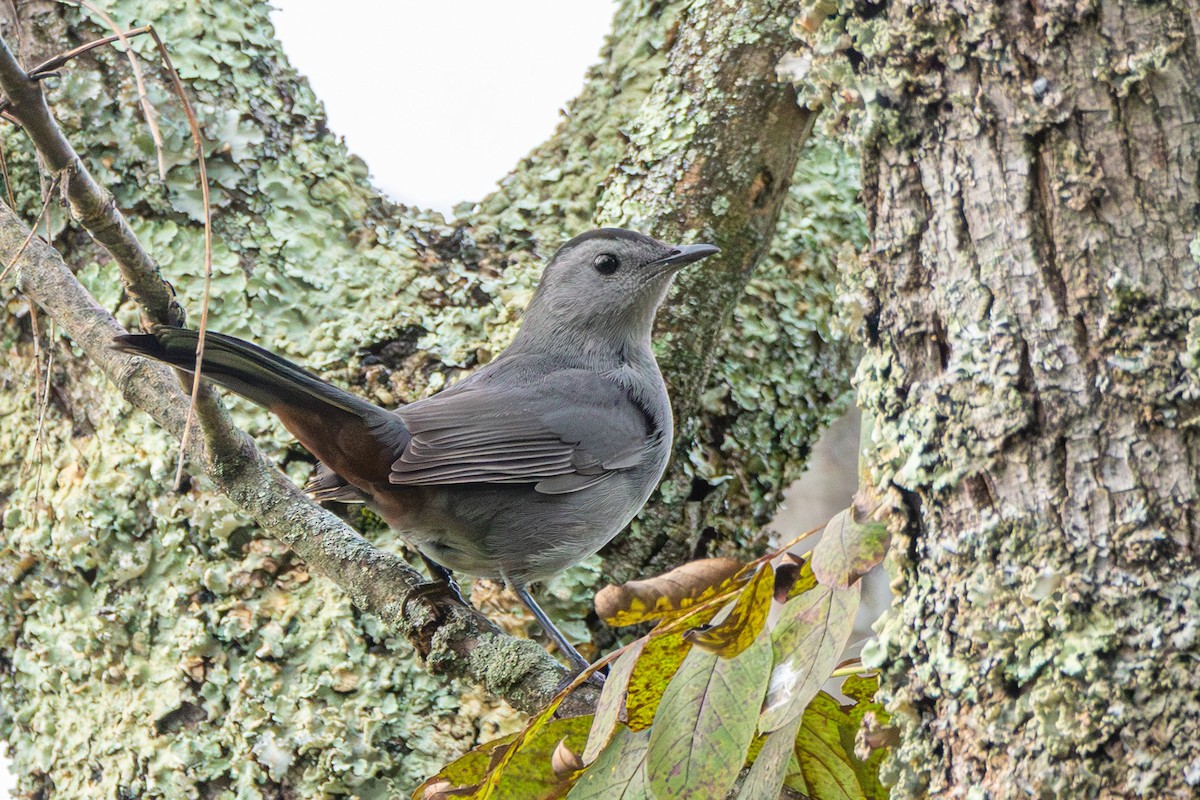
(722, 698)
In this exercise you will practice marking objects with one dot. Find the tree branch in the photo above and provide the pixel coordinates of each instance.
(711, 156)
(453, 639)
(93, 206)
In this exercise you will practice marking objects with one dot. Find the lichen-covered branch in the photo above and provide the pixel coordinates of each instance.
(443, 631)
(91, 204)
(173, 625)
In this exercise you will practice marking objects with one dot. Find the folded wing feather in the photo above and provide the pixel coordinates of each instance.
(570, 431)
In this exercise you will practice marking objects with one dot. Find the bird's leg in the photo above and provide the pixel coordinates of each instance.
(567, 649)
(443, 579)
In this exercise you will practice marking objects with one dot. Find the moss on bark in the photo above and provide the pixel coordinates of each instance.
(1030, 181)
(166, 648)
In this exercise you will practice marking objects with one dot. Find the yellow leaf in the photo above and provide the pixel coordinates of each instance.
(658, 662)
(734, 634)
(668, 595)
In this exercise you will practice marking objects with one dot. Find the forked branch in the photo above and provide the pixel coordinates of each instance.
(452, 638)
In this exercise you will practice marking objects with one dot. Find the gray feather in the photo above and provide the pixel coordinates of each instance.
(561, 430)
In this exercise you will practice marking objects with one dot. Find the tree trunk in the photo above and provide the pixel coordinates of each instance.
(155, 644)
(1033, 188)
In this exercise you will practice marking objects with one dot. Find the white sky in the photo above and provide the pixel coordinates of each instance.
(440, 99)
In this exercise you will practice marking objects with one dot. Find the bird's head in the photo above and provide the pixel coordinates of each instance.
(606, 283)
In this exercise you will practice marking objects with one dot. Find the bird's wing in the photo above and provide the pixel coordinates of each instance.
(563, 432)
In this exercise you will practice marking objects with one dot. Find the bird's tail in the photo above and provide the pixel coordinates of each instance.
(356, 439)
(247, 369)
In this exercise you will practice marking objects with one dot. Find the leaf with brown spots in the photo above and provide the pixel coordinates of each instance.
(706, 721)
(659, 660)
(619, 773)
(669, 595)
(850, 547)
(808, 640)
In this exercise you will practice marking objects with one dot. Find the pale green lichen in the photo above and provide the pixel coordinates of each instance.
(954, 424)
(787, 325)
(137, 621)
(1032, 624)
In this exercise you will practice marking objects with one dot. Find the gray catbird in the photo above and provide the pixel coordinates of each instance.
(525, 467)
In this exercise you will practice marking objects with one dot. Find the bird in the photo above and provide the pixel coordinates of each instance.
(523, 468)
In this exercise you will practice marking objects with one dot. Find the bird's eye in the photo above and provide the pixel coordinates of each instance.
(606, 263)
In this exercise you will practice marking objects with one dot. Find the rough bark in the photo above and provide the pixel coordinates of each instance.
(163, 645)
(1032, 186)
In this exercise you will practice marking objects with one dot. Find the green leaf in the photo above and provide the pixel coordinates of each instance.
(612, 701)
(808, 639)
(660, 658)
(528, 774)
(619, 773)
(536, 742)
(849, 548)
(705, 723)
(470, 768)
(771, 766)
(737, 631)
(829, 770)
(861, 688)
(521, 774)
(532, 730)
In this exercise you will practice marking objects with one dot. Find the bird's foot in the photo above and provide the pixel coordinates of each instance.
(438, 588)
(443, 578)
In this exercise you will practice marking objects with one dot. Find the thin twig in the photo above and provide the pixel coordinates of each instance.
(147, 109)
(194, 124)
(43, 404)
(123, 37)
(854, 669)
(12, 203)
(50, 65)
(33, 228)
(37, 382)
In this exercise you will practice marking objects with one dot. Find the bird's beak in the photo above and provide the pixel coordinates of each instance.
(683, 255)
